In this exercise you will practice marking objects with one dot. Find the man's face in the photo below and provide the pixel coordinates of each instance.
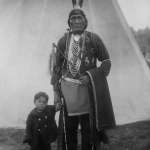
(77, 23)
(40, 103)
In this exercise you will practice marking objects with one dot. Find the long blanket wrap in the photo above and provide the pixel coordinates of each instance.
(104, 115)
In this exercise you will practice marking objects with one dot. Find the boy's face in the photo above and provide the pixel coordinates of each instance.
(40, 103)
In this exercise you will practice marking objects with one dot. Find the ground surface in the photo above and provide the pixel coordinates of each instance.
(135, 136)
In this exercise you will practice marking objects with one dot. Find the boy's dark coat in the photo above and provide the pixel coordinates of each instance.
(41, 125)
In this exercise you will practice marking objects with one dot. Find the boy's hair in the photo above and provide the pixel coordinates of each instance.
(39, 94)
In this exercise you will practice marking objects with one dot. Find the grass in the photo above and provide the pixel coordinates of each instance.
(135, 136)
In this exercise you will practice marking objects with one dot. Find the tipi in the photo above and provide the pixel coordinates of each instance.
(27, 30)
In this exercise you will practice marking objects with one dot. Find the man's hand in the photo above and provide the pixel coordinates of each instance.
(57, 97)
(84, 79)
(105, 67)
(58, 106)
(57, 101)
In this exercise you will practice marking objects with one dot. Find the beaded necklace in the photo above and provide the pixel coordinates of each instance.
(75, 53)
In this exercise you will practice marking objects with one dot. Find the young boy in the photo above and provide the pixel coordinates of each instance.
(41, 127)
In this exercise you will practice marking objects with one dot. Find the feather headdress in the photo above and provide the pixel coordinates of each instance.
(77, 4)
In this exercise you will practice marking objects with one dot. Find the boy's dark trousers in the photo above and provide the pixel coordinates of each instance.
(41, 145)
(72, 123)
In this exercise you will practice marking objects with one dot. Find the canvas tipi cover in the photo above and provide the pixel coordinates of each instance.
(27, 30)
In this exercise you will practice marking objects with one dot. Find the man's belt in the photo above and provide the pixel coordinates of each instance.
(72, 80)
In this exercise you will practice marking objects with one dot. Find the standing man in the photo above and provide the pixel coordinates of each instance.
(81, 84)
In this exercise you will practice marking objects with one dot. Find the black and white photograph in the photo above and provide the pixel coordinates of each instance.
(75, 74)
